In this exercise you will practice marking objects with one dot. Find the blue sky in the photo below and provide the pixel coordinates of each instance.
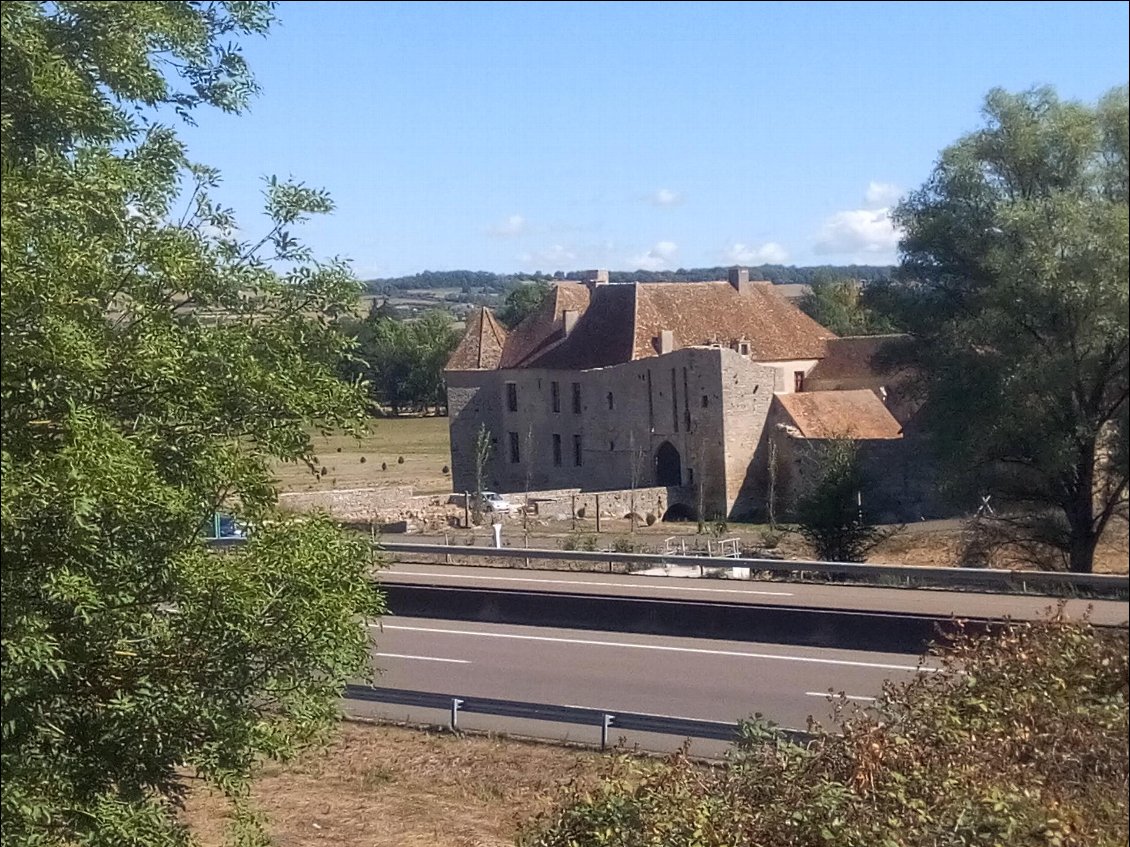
(560, 136)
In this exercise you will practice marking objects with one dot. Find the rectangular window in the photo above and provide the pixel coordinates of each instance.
(577, 460)
(798, 380)
(743, 348)
(576, 398)
(686, 402)
(650, 405)
(515, 452)
(705, 401)
(611, 401)
(556, 450)
(555, 393)
(512, 396)
(674, 401)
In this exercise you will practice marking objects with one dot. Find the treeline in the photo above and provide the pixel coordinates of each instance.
(486, 281)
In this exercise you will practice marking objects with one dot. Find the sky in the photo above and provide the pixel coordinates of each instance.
(521, 137)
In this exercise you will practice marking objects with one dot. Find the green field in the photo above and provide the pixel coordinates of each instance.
(351, 463)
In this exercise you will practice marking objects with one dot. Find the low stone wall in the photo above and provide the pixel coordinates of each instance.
(565, 503)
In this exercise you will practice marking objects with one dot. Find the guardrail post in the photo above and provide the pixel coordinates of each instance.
(455, 704)
(606, 721)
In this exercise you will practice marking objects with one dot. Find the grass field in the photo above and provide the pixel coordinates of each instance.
(350, 463)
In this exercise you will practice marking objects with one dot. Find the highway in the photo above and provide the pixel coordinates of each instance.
(680, 677)
(793, 594)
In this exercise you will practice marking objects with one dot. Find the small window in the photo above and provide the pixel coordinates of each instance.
(555, 393)
(743, 348)
(611, 401)
(515, 452)
(611, 446)
(512, 396)
(556, 450)
(798, 380)
(576, 398)
(577, 451)
(705, 401)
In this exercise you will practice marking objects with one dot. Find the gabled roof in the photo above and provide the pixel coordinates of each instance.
(834, 414)
(854, 358)
(701, 313)
(482, 344)
(619, 323)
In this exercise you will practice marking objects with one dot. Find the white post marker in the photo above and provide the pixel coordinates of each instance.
(497, 527)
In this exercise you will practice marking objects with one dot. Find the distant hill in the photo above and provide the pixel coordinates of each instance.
(470, 282)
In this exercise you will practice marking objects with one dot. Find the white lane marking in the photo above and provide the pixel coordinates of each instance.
(591, 582)
(859, 697)
(423, 658)
(659, 647)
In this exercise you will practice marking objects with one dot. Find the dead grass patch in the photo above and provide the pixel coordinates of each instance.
(388, 786)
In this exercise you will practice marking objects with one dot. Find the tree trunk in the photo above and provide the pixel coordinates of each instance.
(1083, 539)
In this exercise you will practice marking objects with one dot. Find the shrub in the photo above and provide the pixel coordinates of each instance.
(445, 470)
(362, 460)
(770, 539)
(384, 466)
(650, 518)
(579, 541)
(400, 460)
(1020, 739)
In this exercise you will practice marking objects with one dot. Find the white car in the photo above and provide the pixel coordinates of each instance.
(493, 502)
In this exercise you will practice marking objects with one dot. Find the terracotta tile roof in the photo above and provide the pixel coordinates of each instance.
(546, 326)
(831, 414)
(619, 323)
(853, 358)
(700, 313)
(482, 343)
(602, 335)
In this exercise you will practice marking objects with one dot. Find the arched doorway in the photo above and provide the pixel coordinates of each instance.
(668, 465)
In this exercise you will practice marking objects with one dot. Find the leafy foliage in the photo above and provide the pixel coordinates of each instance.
(830, 514)
(1020, 739)
(401, 361)
(845, 306)
(1016, 260)
(522, 301)
(154, 365)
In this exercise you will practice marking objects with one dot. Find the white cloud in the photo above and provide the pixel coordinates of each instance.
(513, 226)
(769, 253)
(665, 197)
(881, 195)
(659, 257)
(867, 234)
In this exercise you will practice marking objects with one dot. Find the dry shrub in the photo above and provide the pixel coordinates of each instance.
(1020, 739)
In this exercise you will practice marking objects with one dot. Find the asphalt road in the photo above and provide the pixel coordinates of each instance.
(809, 595)
(680, 677)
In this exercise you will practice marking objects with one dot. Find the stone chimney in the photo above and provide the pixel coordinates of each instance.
(666, 341)
(739, 278)
(570, 317)
(594, 278)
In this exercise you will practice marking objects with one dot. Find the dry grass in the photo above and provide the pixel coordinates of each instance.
(356, 463)
(386, 786)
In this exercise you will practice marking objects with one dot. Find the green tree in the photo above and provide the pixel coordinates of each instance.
(1015, 261)
(402, 361)
(522, 301)
(830, 514)
(154, 366)
(843, 306)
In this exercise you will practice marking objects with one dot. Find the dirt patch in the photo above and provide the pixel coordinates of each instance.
(387, 786)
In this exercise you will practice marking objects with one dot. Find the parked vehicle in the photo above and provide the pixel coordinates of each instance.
(493, 502)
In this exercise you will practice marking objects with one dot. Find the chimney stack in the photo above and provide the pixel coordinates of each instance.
(570, 318)
(594, 278)
(739, 278)
(666, 341)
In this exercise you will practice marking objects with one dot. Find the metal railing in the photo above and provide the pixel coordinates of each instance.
(883, 574)
(604, 720)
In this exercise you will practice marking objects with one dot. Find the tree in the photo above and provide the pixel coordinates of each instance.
(402, 361)
(830, 514)
(155, 365)
(1019, 739)
(522, 301)
(1015, 261)
(484, 450)
(843, 306)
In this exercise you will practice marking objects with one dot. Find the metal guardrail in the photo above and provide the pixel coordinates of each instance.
(604, 720)
(932, 575)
